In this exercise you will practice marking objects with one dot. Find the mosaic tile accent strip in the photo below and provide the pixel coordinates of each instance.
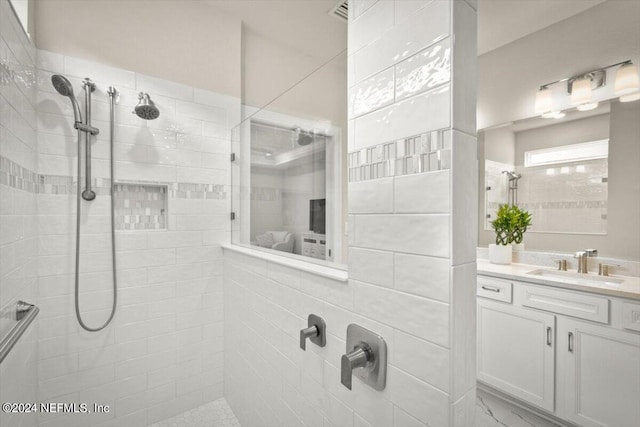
(140, 207)
(66, 185)
(265, 194)
(16, 176)
(21, 178)
(184, 190)
(586, 204)
(421, 153)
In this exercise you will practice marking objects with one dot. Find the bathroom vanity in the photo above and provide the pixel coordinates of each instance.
(566, 344)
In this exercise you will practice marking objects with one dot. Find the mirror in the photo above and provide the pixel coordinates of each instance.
(556, 170)
(579, 177)
(577, 172)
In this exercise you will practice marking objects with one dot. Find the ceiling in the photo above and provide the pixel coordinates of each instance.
(503, 21)
(305, 25)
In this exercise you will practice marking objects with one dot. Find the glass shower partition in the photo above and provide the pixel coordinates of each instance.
(288, 174)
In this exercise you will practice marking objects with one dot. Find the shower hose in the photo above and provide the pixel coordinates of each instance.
(111, 93)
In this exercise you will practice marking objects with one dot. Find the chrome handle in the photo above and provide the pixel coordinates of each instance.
(311, 331)
(24, 314)
(490, 288)
(549, 336)
(562, 265)
(570, 343)
(357, 358)
(315, 331)
(603, 269)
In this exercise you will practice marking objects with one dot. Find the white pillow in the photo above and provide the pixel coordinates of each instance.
(265, 240)
(278, 236)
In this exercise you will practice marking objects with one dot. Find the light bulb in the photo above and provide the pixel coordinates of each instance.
(554, 115)
(544, 101)
(581, 91)
(587, 107)
(629, 98)
(627, 80)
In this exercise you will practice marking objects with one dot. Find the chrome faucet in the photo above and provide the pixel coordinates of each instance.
(582, 256)
(359, 357)
(366, 358)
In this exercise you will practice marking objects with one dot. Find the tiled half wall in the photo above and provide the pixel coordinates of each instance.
(411, 243)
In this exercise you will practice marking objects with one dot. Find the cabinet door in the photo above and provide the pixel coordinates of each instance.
(600, 371)
(516, 352)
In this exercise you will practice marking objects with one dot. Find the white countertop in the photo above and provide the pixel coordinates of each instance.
(629, 288)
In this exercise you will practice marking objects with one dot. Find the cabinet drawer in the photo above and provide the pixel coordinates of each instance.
(573, 304)
(631, 316)
(496, 289)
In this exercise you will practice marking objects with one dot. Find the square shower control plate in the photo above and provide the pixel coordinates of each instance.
(318, 322)
(374, 374)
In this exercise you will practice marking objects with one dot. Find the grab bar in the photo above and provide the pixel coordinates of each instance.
(24, 315)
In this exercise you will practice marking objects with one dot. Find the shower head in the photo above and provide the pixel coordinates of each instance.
(63, 86)
(146, 109)
(512, 175)
(303, 137)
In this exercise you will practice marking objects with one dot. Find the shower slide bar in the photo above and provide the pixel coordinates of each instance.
(23, 313)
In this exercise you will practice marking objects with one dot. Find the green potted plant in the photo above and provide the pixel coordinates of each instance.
(510, 225)
(524, 222)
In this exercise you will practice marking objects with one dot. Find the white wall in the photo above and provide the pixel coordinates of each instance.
(193, 43)
(510, 75)
(270, 69)
(162, 354)
(427, 323)
(500, 145)
(18, 221)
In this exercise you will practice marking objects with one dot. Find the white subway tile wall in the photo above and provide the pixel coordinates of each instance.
(162, 355)
(412, 279)
(18, 220)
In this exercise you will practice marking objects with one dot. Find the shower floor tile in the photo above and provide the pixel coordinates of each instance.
(213, 414)
(491, 411)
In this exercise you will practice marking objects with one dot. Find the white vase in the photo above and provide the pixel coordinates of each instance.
(500, 254)
(518, 246)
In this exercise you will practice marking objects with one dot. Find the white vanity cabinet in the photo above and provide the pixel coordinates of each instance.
(573, 354)
(516, 351)
(600, 369)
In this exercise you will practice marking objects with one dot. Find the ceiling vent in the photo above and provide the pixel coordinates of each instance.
(340, 10)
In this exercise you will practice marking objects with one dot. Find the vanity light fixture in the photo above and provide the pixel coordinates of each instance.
(581, 93)
(580, 87)
(627, 85)
(544, 101)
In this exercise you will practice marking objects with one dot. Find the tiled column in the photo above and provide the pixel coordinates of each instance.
(413, 196)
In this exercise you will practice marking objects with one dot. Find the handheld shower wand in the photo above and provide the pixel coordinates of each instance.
(64, 88)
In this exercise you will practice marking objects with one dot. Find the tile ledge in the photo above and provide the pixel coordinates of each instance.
(320, 270)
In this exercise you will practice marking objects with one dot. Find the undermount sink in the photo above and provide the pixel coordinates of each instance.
(576, 278)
